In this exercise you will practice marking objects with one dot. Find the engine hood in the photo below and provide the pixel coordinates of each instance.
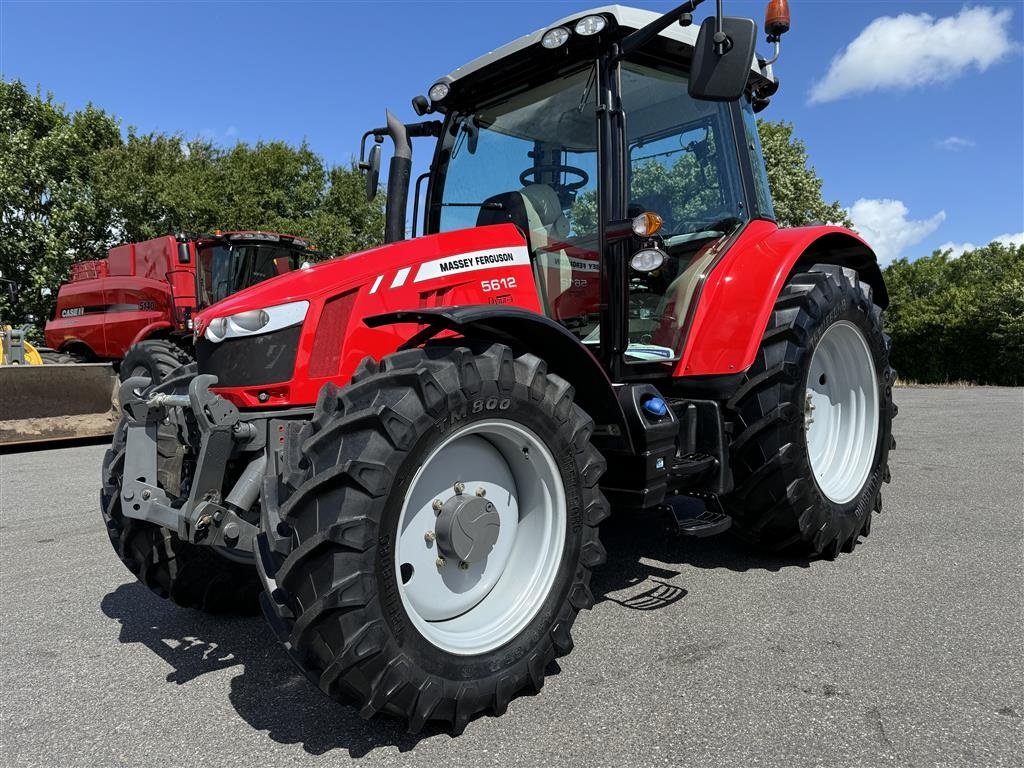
(362, 268)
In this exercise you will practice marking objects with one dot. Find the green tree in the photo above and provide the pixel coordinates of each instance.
(50, 213)
(959, 319)
(155, 184)
(71, 187)
(795, 185)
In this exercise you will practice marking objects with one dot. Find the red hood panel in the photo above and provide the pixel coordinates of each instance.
(483, 265)
(346, 272)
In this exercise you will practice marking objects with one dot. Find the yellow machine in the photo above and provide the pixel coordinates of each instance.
(55, 401)
(15, 350)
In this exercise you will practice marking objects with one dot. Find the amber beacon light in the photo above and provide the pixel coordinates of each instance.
(776, 19)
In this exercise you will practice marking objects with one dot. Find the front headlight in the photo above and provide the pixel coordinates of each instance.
(256, 321)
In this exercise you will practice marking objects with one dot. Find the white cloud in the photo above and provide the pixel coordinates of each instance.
(959, 249)
(908, 51)
(955, 143)
(885, 226)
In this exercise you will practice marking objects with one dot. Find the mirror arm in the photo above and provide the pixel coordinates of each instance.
(378, 136)
(643, 35)
(720, 38)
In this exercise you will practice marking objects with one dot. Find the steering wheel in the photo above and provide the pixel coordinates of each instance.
(535, 172)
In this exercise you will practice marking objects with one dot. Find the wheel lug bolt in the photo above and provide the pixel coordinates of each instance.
(439, 562)
(429, 537)
(463, 566)
(460, 487)
(481, 492)
(437, 505)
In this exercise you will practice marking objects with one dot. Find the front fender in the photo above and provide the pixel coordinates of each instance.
(524, 331)
(736, 298)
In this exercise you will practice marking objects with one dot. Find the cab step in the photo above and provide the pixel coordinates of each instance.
(691, 466)
(687, 516)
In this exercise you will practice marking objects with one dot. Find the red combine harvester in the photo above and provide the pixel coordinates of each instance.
(407, 453)
(136, 306)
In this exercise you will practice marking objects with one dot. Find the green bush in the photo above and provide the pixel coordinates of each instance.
(959, 319)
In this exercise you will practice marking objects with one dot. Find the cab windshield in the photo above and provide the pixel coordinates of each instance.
(226, 268)
(532, 159)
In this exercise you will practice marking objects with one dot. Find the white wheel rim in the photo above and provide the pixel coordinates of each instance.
(841, 412)
(474, 609)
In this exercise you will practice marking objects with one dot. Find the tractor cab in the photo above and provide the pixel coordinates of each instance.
(626, 177)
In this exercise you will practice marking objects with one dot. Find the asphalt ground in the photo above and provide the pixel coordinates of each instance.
(907, 652)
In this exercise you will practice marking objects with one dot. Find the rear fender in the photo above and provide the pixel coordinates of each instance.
(737, 298)
(525, 331)
(76, 346)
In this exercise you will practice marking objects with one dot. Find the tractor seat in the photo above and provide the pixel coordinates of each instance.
(537, 212)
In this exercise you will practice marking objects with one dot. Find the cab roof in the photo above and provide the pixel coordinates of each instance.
(626, 18)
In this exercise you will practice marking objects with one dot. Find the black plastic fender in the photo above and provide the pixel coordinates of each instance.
(526, 331)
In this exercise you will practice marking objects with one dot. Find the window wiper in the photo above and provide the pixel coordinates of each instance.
(468, 127)
(492, 206)
(588, 87)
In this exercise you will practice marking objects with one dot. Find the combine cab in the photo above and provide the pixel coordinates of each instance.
(407, 453)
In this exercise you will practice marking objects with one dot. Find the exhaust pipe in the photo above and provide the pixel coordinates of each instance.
(399, 174)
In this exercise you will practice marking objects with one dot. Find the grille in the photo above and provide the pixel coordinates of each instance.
(249, 361)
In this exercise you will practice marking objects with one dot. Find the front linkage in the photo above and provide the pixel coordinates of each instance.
(205, 516)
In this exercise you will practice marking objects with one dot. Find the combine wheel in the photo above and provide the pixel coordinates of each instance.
(443, 513)
(190, 575)
(154, 359)
(813, 420)
(53, 357)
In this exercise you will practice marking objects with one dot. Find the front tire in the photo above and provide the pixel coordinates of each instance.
(812, 421)
(386, 616)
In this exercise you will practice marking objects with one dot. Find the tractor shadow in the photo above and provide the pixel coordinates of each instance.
(271, 695)
(268, 692)
(634, 539)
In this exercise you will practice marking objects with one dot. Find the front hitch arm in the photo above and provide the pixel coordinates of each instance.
(204, 517)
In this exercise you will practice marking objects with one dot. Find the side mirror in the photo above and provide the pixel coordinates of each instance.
(372, 170)
(721, 63)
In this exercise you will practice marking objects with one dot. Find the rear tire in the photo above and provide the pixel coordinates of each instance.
(53, 357)
(355, 475)
(796, 489)
(154, 358)
(189, 575)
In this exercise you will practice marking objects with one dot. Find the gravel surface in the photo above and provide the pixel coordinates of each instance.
(907, 652)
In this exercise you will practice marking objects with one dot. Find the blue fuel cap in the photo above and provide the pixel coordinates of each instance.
(655, 406)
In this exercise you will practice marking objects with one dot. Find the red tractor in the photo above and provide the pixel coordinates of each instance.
(407, 453)
(136, 305)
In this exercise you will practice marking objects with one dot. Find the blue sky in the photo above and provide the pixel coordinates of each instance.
(913, 112)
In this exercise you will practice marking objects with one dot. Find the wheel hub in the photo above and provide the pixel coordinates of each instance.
(467, 528)
(480, 536)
